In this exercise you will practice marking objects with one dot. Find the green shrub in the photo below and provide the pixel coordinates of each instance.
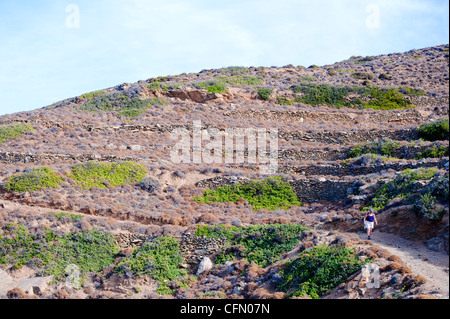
(242, 80)
(220, 84)
(434, 152)
(434, 131)
(321, 269)
(264, 93)
(164, 87)
(263, 244)
(91, 94)
(33, 180)
(381, 147)
(439, 187)
(401, 186)
(271, 193)
(213, 86)
(118, 102)
(363, 76)
(73, 217)
(234, 70)
(425, 206)
(90, 250)
(338, 96)
(160, 259)
(104, 175)
(14, 130)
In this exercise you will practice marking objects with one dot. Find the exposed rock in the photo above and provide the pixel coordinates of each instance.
(205, 264)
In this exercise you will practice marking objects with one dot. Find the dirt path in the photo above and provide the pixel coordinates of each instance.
(432, 265)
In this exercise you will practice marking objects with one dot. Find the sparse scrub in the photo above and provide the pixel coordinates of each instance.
(234, 70)
(271, 193)
(363, 76)
(164, 87)
(104, 175)
(73, 217)
(221, 83)
(91, 94)
(33, 180)
(119, 102)
(321, 269)
(14, 130)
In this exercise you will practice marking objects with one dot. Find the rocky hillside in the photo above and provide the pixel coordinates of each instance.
(97, 199)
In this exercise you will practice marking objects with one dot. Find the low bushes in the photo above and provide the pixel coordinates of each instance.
(359, 97)
(434, 131)
(33, 180)
(263, 244)
(220, 84)
(104, 175)
(119, 102)
(403, 186)
(159, 259)
(271, 193)
(434, 152)
(319, 270)
(264, 93)
(381, 147)
(89, 250)
(11, 131)
(425, 202)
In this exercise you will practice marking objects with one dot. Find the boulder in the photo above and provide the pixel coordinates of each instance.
(150, 185)
(205, 264)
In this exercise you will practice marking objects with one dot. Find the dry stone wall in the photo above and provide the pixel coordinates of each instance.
(194, 248)
(11, 157)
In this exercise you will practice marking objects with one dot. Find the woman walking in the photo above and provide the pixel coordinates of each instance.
(369, 220)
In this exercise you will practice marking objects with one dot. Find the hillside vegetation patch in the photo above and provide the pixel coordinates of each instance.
(263, 244)
(220, 84)
(423, 198)
(362, 97)
(434, 131)
(120, 103)
(13, 130)
(33, 180)
(89, 250)
(160, 259)
(321, 269)
(271, 193)
(104, 175)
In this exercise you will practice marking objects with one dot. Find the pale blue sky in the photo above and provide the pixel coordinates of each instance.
(43, 60)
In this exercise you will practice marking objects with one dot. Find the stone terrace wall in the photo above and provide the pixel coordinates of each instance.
(10, 158)
(356, 170)
(307, 190)
(326, 137)
(194, 248)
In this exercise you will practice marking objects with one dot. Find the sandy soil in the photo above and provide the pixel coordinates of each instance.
(432, 265)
